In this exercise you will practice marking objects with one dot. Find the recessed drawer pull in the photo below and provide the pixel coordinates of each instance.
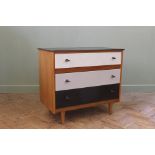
(67, 60)
(67, 81)
(67, 97)
(113, 58)
(113, 76)
(112, 91)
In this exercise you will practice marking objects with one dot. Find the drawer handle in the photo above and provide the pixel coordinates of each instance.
(67, 60)
(113, 76)
(67, 97)
(112, 91)
(113, 58)
(67, 81)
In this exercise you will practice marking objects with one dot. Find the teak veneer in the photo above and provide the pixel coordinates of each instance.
(62, 99)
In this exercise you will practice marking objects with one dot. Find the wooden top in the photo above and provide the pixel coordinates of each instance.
(80, 49)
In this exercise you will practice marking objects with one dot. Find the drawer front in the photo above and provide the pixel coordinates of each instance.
(76, 80)
(87, 59)
(86, 95)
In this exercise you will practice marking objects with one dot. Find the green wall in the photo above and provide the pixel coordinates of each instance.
(19, 55)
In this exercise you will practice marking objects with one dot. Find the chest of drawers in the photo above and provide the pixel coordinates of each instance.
(75, 78)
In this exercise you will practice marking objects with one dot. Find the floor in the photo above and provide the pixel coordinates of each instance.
(137, 110)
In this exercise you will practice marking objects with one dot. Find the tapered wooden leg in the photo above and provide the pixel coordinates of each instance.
(62, 117)
(110, 108)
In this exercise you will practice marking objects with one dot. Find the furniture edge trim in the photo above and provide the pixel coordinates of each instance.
(84, 69)
(86, 105)
(80, 51)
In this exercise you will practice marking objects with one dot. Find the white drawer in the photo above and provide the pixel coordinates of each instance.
(87, 59)
(75, 80)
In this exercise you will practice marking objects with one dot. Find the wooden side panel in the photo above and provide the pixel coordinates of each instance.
(47, 79)
(120, 90)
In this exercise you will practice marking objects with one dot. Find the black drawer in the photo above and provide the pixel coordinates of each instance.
(86, 95)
